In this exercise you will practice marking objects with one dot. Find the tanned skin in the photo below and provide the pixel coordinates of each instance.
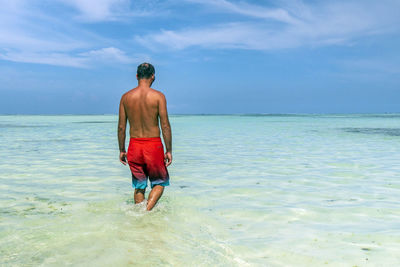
(144, 107)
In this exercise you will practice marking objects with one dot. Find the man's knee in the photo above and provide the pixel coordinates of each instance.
(140, 191)
(158, 187)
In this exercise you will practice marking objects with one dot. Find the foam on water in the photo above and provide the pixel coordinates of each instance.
(259, 190)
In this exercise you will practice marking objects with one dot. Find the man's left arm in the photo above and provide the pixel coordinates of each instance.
(122, 131)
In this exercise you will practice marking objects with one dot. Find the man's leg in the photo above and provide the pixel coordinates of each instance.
(154, 196)
(138, 195)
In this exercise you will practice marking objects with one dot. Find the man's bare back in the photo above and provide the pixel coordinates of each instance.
(143, 107)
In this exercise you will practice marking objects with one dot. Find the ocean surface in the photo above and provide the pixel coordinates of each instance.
(246, 190)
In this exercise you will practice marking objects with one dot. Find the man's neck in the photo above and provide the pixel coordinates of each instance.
(144, 83)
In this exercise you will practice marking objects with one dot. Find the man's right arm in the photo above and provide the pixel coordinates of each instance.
(122, 131)
(166, 128)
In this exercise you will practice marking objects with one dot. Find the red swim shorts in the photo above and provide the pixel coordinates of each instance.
(146, 160)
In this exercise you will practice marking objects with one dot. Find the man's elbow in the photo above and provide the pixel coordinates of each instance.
(121, 129)
(164, 123)
(165, 126)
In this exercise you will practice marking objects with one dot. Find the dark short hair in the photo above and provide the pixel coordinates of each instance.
(145, 71)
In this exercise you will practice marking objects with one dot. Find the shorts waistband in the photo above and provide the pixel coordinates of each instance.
(145, 139)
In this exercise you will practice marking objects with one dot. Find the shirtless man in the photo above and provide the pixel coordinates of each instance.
(143, 106)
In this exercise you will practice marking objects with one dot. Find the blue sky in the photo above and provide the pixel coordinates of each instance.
(211, 56)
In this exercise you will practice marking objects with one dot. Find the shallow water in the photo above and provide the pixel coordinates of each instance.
(289, 190)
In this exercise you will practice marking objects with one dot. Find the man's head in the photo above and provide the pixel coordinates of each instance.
(145, 71)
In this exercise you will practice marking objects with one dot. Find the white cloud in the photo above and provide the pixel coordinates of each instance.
(109, 55)
(106, 53)
(246, 9)
(57, 59)
(97, 10)
(28, 34)
(109, 10)
(232, 35)
(325, 23)
(27, 28)
(31, 32)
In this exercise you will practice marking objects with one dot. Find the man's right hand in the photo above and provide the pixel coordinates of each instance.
(122, 157)
(168, 159)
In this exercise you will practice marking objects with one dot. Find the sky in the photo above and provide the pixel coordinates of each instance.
(210, 56)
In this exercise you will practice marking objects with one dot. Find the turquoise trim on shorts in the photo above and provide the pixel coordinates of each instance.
(139, 184)
(166, 183)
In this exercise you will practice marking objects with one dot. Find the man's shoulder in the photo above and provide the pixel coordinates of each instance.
(157, 93)
(127, 93)
(153, 93)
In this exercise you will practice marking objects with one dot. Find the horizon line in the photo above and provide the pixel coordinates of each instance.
(200, 114)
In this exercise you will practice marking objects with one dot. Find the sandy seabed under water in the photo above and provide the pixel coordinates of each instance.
(277, 190)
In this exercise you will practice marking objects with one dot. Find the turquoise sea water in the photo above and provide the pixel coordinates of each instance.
(288, 190)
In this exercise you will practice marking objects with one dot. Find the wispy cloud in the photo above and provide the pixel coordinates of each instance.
(111, 54)
(99, 9)
(301, 24)
(57, 59)
(232, 35)
(64, 32)
(80, 60)
(106, 54)
(29, 34)
(106, 10)
(247, 9)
